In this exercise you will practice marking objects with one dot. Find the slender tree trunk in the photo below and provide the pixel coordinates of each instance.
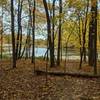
(84, 32)
(9, 48)
(20, 45)
(49, 33)
(30, 28)
(94, 18)
(1, 33)
(1, 44)
(13, 35)
(33, 35)
(93, 35)
(53, 32)
(20, 28)
(26, 47)
(19, 35)
(18, 20)
(80, 65)
(59, 34)
(90, 49)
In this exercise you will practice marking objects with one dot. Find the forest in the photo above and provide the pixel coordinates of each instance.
(49, 49)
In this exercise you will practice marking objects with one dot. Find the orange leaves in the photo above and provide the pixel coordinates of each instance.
(33, 10)
(93, 3)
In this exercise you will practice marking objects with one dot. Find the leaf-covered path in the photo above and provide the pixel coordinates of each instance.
(22, 84)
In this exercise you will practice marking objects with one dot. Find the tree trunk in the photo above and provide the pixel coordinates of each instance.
(53, 32)
(29, 28)
(13, 35)
(84, 33)
(1, 31)
(93, 36)
(19, 35)
(33, 35)
(80, 42)
(59, 34)
(20, 45)
(49, 33)
(18, 20)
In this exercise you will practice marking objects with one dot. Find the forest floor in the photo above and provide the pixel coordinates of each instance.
(22, 84)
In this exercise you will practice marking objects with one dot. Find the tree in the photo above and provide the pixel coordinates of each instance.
(13, 34)
(19, 35)
(2, 3)
(84, 30)
(33, 34)
(92, 50)
(1, 32)
(59, 34)
(80, 12)
(50, 43)
(53, 31)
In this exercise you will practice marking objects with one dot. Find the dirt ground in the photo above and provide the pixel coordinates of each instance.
(22, 84)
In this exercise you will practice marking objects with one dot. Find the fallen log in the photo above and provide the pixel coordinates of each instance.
(83, 75)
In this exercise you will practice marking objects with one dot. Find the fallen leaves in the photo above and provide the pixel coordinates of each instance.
(22, 84)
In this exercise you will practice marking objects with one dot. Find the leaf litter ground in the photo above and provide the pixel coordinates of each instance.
(22, 84)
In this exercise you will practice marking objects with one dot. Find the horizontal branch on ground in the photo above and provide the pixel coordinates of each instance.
(41, 72)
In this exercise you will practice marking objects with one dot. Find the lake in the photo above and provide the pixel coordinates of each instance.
(72, 54)
(41, 52)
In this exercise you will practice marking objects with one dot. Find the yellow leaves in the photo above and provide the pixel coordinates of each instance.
(98, 44)
(3, 2)
(78, 45)
(78, 4)
(59, 16)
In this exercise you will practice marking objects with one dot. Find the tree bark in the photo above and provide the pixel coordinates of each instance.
(84, 32)
(33, 35)
(59, 34)
(13, 35)
(1, 31)
(93, 36)
(19, 35)
(53, 32)
(49, 33)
